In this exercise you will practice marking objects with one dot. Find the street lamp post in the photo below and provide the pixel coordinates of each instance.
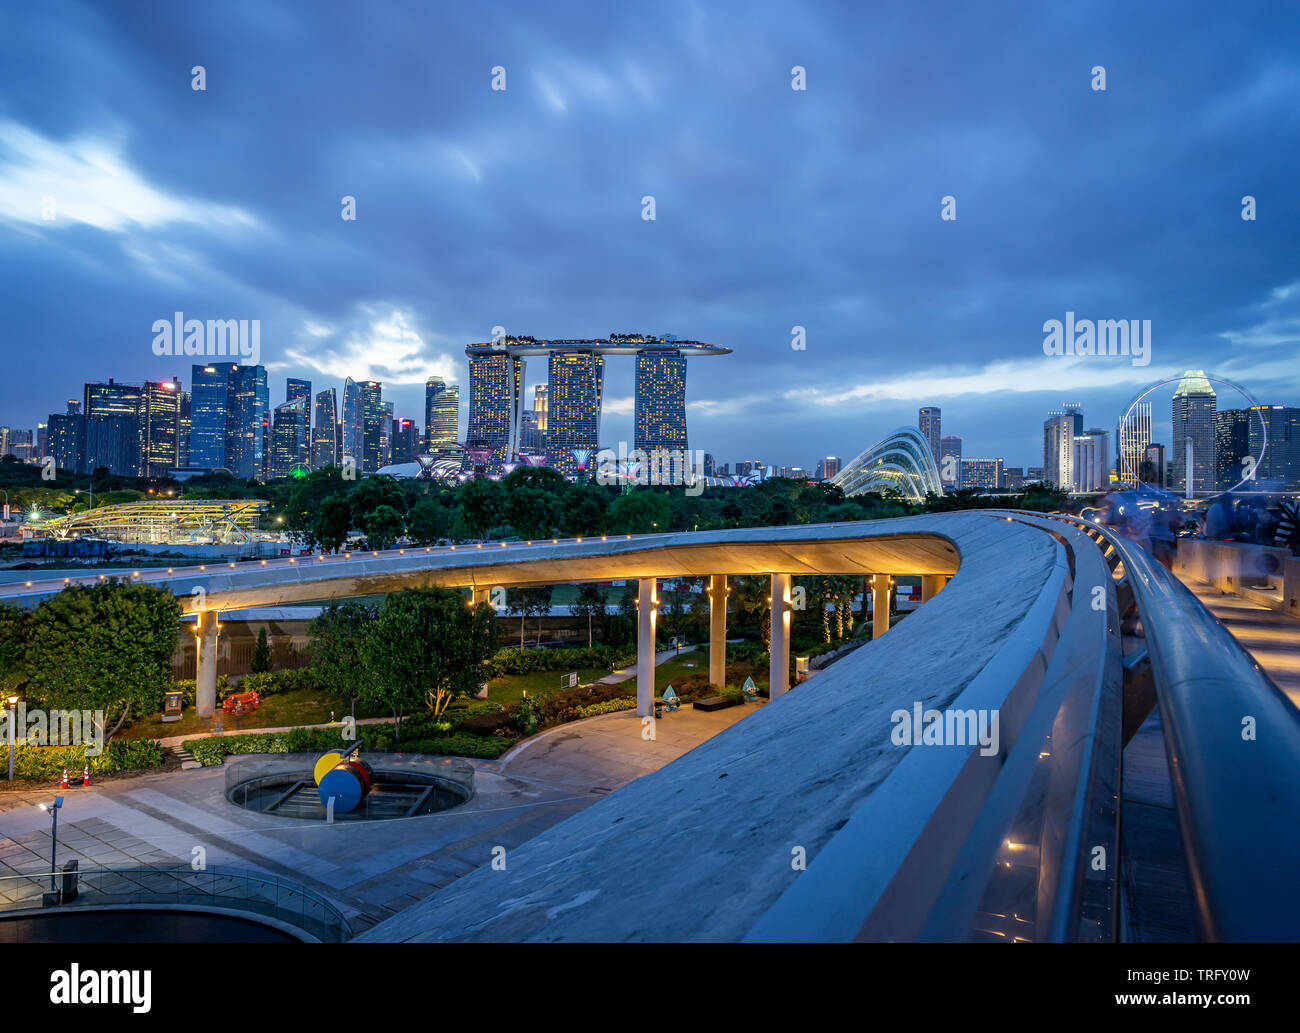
(54, 840)
(13, 718)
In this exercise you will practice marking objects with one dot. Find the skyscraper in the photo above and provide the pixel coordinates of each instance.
(495, 385)
(929, 421)
(290, 436)
(659, 415)
(1280, 467)
(120, 445)
(248, 423)
(210, 392)
(351, 437)
(325, 433)
(113, 442)
(1090, 461)
(372, 424)
(1231, 446)
(573, 418)
(1193, 413)
(441, 416)
(295, 389)
(160, 414)
(981, 474)
(1058, 454)
(229, 419)
(183, 430)
(950, 461)
(1132, 440)
(67, 441)
(405, 442)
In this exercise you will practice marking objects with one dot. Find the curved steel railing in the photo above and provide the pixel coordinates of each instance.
(1233, 741)
(177, 888)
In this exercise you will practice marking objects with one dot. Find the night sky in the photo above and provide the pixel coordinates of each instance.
(775, 207)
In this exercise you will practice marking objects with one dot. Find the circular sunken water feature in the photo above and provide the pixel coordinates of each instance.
(404, 787)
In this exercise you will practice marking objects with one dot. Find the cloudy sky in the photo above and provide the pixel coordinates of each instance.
(775, 208)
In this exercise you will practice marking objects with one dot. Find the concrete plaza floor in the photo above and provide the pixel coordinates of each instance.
(370, 870)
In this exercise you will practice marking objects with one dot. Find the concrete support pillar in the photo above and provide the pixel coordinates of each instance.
(779, 673)
(645, 647)
(205, 669)
(718, 630)
(881, 587)
(930, 586)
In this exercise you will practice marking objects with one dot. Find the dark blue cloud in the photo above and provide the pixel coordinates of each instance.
(774, 208)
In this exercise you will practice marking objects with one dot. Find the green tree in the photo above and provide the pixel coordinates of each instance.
(528, 602)
(641, 512)
(332, 523)
(13, 648)
(590, 604)
(426, 647)
(428, 522)
(481, 504)
(533, 512)
(383, 526)
(104, 647)
(261, 653)
(337, 634)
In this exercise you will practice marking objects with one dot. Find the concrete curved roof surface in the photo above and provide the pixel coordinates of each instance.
(913, 545)
(702, 848)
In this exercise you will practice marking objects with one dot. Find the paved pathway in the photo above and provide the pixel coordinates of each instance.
(371, 870)
(1270, 636)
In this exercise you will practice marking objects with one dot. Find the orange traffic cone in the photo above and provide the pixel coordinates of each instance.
(64, 783)
(85, 776)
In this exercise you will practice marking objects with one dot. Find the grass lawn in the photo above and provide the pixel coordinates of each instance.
(300, 707)
(510, 688)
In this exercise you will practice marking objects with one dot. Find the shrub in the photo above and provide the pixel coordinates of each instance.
(609, 706)
(269, 683)
(46, 763)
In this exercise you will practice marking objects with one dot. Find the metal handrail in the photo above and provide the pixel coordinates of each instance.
(218, 888)
(1233, 742)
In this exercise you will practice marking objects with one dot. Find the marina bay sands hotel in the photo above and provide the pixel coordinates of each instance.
(575, 383)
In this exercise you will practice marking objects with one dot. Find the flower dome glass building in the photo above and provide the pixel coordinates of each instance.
(900, 463)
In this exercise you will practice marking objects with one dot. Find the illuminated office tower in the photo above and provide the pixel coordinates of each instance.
(1089, 461)
(210, 393)
(113, 442)
(660, 407)
(541, 403)
(928, 422)
(122, 401)
(441, 417)
(290, 435)
(983, 474)
(1231, 446)
(386, 435)
(1133, 438)
(495, 387)
(372, 424)
(573, 411)
(351, 437)
(950, 461)
(248, 423)
(295, 389)
(405, 441)
(1193, 412)
(183, 421)
(1280, 468)
(1058, 450)
(325, 433)
(160, 417)
(67, 441)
